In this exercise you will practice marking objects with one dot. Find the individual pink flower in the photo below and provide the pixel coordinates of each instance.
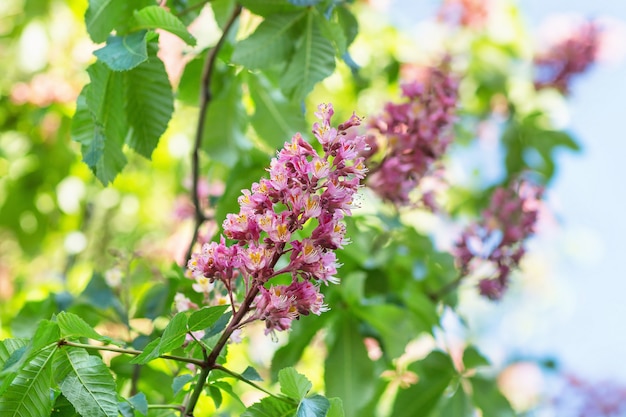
(571, 55)
(414, 134)
(304, 186)
(499, 236)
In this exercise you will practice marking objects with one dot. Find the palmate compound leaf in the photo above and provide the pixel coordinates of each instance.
(153, 17)
(271, 42)
(313, 61)
(29, 393)
(87, 383)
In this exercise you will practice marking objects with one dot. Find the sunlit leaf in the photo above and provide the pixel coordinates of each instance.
(205, 317)
(268, 7)
(293, 384)
(270, 407)
(156, 17)
(73, 326)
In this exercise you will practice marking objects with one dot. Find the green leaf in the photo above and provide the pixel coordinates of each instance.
(251, 374)
(435, 373)
(314, 406)
(28, 318)
(180, 382)
(271, 43)
(275, 118)
(216, 395)
(349, 372)
(150, 352)
(63, 408)
(302, 331)
(13, 355)
(153, 17)
(87, 384)
(150, 104)
(205, 317)
(313, 61)
(293, 384)
(123, 53)
(29, 393)
(487, 397)
(174, 333)
(348, 23)
(336, 408)
(472, 358)
(139, 403)
(268, 7)
(102, 16)
(458, 405)
(270, 407)
(225, 386)
(304, 2)
(73, 326)
(8, 347)
(332, 31)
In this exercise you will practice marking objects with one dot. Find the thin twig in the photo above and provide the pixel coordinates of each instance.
(205, 100)
(108, 348)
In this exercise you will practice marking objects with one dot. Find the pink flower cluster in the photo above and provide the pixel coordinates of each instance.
(568, 57)
(500, 235)
(590, 399)
(466, 13)
(415, 134)
(304, 189)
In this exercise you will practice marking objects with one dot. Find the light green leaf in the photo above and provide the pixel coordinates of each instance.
(275, 118)
(87, 383)
(472, 358)
(268, 7)
(8, 347)
(102, 16)
(349, 372)
(174, 333)
(73, 326)
(336, 408)
(205, 317)
(150, 104)
(180, 381)
(123, 53)
(489, 399)
(29, 393)
(270, 407)
(458, 405)
(271, 42)
(293, 384)
(314, 406)
(313, 61)
(150, 352)
(332, 31)
(153, 17)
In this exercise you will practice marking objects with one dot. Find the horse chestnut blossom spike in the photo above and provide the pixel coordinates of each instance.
(414, 135)
(498, 238)
(304, 188)
(573, 54)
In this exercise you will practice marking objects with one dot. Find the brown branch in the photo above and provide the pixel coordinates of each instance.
(205, 100)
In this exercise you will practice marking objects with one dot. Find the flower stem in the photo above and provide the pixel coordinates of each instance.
(205, 99)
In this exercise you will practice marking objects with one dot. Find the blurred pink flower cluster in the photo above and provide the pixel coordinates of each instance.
(573, 54)
(466, 13)
(499, 237)
(588, 399)
(304, 189)
(415, 134)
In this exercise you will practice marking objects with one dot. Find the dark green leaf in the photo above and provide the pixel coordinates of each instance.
(87, 384)
(268, 7)
(314, 406)
(313, 61)
(293, 384)
(349, 372)
(29, 393)
(302, 331)
(270, 407)
(123, 53)
(488, 398)
(348, 23)
(472, 358)
(275, 118)
(332, 31)
(153, 17)
(139, 403)
(435, 373)
(271, 43)
(150, 104)
(205, 317)
(251, 374)
(216, 395)
(180, 381)
(219, 325)
(63, 408)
